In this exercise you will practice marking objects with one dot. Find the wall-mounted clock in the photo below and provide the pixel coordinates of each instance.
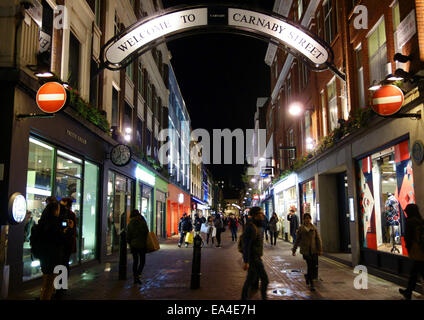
(120, 155)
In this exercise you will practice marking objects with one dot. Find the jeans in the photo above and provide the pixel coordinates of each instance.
(274, 236)
(312, 263)
(139, 259)
(256, 271)
(183, 234)
(265, 233)
(234, 234)
(209, 235)
(417, 268)
(294, 237)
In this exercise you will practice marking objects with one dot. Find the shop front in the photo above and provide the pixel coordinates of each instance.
(386, 187)
(199, 206)
(285, 197)
(308, 201)
(59, 157)
(160, 207)
(178, 204)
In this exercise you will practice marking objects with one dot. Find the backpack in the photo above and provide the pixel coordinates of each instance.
(36, 241)
(240, 243)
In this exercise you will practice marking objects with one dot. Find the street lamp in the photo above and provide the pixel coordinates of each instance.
(295, 108)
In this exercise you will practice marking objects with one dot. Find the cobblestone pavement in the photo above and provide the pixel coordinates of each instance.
(168, 271)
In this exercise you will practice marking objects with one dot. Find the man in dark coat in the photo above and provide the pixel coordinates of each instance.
(294, 223)
(137, 232)
(253, 244)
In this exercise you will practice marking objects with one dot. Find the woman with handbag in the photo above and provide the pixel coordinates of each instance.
(137, 238)
(310, 243)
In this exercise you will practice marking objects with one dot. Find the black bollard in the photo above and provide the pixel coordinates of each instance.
(195, 270)
(123, 248)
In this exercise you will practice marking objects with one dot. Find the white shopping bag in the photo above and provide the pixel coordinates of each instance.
(213, 232)
(204, 228)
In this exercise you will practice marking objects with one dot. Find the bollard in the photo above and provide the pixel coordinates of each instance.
(195, 270)
(123, 248)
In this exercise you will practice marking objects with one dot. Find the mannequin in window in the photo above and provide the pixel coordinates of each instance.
(392, 218)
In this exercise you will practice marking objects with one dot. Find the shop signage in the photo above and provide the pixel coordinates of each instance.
(51, 97)
(256, 197)
(418, 152)
(17, 207)
(285, 184)
(144, 176)
(181, 198)
(406, 29)
(171, 23)
(387, 100)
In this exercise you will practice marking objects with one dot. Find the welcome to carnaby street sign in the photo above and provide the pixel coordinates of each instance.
(178, 22)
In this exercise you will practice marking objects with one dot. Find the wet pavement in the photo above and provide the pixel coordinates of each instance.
(167, 275)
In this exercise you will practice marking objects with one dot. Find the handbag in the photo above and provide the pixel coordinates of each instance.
(152, 243)
(189, 237)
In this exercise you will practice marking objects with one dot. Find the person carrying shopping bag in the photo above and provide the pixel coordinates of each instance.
(309, 241)
(137, 232)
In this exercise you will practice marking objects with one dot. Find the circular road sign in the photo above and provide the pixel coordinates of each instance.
(387, 100)
(51, 97)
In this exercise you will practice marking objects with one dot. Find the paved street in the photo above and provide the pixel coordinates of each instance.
(167, 276)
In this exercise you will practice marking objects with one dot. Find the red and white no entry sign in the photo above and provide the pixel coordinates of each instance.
(387, 100)
(51, 97)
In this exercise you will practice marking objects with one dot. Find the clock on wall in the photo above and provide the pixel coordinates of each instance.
(120, 155)
(418, 152)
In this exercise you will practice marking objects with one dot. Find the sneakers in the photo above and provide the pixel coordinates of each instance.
(407, 295)
(179, 245)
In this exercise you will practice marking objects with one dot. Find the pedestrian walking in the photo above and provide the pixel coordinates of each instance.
(253, 244)
(211, 234)
(294, 222)
(219, 225)
(198, 221)
(414, 241)
(233, 225)
(185, 225)
(273, 229)
(309, 241)
(53, 236)
(137, 232)
(66, 215)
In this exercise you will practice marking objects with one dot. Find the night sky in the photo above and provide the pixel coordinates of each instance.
(220, 77)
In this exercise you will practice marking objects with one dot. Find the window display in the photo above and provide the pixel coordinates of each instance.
(52, 172)
(386, 187)
(283, 201)
(119, 202)
(309, 201)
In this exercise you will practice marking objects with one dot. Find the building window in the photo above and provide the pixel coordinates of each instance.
(360, 74)
(386, 187)
(149, 96)
(330, 21)
(74, 62)
(140, 79)
(377, 52)
(115, 107)
(94, 84)
(129, 71)
(324, 114)
(299, 9)
(139, 133)
(52, 172)
(332, 104)
(127, 117)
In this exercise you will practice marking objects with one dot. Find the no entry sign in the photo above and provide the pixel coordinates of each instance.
(51, 97)
(387, 100)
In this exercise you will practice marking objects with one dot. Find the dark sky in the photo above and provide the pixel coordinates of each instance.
(220, 77)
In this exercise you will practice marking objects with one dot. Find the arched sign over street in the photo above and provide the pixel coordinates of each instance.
(177, 22)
